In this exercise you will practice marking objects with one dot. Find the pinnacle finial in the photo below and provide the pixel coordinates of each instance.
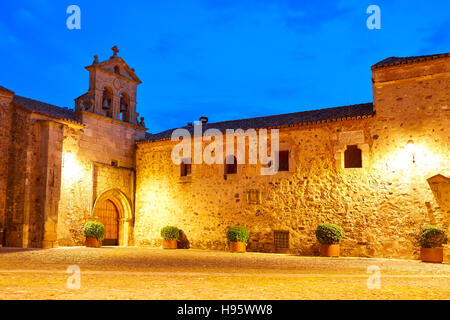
(95, 59)
(115, 51)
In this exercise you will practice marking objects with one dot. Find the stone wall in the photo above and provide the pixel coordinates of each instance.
(88, 171)
(54, 170)
(33, 183)
(5, 131)
(381, 207)
(22, 157)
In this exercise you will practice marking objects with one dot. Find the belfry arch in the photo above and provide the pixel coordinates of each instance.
(124, 213)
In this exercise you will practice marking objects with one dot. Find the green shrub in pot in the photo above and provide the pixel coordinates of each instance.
(237, 234)
(432, 237)
(170, 233)
(328, 233)
(94, 229)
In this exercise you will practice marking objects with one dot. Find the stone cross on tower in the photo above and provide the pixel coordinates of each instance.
(115, 51)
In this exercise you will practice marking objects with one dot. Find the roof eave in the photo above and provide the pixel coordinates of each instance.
(295, 125)
(417, 59)
(69, 121)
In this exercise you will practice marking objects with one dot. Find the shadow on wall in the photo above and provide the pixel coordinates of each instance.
(440, 186)
(183, 242)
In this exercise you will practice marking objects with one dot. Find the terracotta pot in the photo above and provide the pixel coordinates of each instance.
(93, 242)
(169, 244)
(329, 250)
(435, 255)
(238, 246)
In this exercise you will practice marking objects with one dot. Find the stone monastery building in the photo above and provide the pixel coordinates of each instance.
(380, 170)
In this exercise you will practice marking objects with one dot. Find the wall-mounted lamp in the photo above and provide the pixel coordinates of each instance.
(411, 149)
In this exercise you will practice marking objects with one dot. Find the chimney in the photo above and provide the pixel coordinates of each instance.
(203, 119)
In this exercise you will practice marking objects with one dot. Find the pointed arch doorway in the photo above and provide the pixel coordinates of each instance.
(107, 213)
(113, 209)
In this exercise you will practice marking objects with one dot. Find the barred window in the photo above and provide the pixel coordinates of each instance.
(281, 239)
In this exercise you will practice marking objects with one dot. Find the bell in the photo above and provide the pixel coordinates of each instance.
(87, 105)
(106, 104)
(123, 107)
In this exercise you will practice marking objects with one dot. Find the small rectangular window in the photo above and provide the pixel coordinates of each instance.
(283, 157)
(352, 157)
(185, 168)
(115, 163)
(281, 239)
(231, 165)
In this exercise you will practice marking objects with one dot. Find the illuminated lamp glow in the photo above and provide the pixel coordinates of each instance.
(411, 149)
(71, 168)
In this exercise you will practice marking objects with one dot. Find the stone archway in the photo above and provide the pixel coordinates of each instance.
(125, 213)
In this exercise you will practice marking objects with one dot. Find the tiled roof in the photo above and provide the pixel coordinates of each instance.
(403, 60)
(282, 120)
(46, 109)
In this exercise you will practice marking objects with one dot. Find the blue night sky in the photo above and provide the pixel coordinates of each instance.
(225, 59)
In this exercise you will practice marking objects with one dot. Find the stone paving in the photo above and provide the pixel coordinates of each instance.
(152, 273)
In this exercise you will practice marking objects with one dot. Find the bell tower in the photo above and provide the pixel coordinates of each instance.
(112, 90)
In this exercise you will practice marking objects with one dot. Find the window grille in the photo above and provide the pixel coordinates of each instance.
(281, 239)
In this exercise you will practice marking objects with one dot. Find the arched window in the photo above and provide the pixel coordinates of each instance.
(353, 157)
(124, 106)
(107, 101)
(116, 69)
(231, 165)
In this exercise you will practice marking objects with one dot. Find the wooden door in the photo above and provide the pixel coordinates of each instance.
(107, 213)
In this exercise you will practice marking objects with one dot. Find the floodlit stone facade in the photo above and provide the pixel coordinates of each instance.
(381, 206)
(62, 168)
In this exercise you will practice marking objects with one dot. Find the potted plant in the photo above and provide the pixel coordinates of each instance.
(237, 238)
(170, 237)
(94, 232)
(431, 240)
(329, 236)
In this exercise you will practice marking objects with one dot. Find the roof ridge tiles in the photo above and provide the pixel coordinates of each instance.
(356, 111)
(48, 109)
(406, 60)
